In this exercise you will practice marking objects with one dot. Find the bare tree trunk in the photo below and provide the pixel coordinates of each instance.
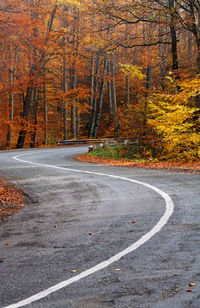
(114, 99)
(161, 60)
(35, 107)
(73, 108)
(127, 77)
(99, 111)
(73, 121)
(128, 96)
(25, 115)
(74, 76)
(77, 123)
(11, 101)
(92, 83)
(94, 105)
(45, 113)
(110, 105)
(174, 50)
(65, 90)
(148, 80)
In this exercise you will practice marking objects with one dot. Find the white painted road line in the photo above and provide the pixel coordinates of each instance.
(161, 223)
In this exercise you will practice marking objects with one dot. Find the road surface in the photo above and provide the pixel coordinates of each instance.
(98, 236)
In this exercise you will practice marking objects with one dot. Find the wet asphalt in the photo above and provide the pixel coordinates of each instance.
(74, 221)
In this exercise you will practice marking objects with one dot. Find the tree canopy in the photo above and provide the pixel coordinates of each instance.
(79, 69)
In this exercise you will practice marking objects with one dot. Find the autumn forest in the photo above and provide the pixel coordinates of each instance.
(76, 69)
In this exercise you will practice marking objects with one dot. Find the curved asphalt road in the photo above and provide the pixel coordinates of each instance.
(77, 220)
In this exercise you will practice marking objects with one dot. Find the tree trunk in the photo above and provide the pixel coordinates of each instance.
(73, 108)
(173, 40)
(73, 121)
(77, 123)
(114, 99)
(110, 105)
(11, 107)
(128, 96)
(65, 90)
(99, 111)
(11, 101)
(94, 106)
(11, 98)
(148, 79)
(45, 113)
(26, 110)
(162, 51)
(35, 101)
(92, 83)
(73, 78)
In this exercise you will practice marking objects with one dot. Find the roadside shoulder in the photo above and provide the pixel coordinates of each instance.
(11, 200)
(188, 167)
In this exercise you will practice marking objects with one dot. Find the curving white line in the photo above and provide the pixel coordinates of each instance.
(168, 212)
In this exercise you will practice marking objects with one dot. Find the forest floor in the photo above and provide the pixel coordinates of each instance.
(11, 200)
(178, 166)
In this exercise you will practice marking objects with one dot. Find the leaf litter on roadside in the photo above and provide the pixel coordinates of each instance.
(11, 199)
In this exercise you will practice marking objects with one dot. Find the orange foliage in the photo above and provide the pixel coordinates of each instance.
(11, 200)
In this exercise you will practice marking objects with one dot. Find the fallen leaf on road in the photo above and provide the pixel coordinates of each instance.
(133, 222)
(117, 269)
(73, 271)
(191, 284)
(1, 261)
(7, 244)
(188, 290)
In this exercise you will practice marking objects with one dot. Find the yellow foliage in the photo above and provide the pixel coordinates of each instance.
(132, 71)
(177, 120)
(69, 2)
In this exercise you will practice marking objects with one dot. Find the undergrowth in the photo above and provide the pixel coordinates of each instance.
(121, 151)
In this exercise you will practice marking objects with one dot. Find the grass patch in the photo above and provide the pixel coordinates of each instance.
(120, 151)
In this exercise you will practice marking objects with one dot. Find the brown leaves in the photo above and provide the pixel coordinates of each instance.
(11, 199)
(178, 166)
(191, 284)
